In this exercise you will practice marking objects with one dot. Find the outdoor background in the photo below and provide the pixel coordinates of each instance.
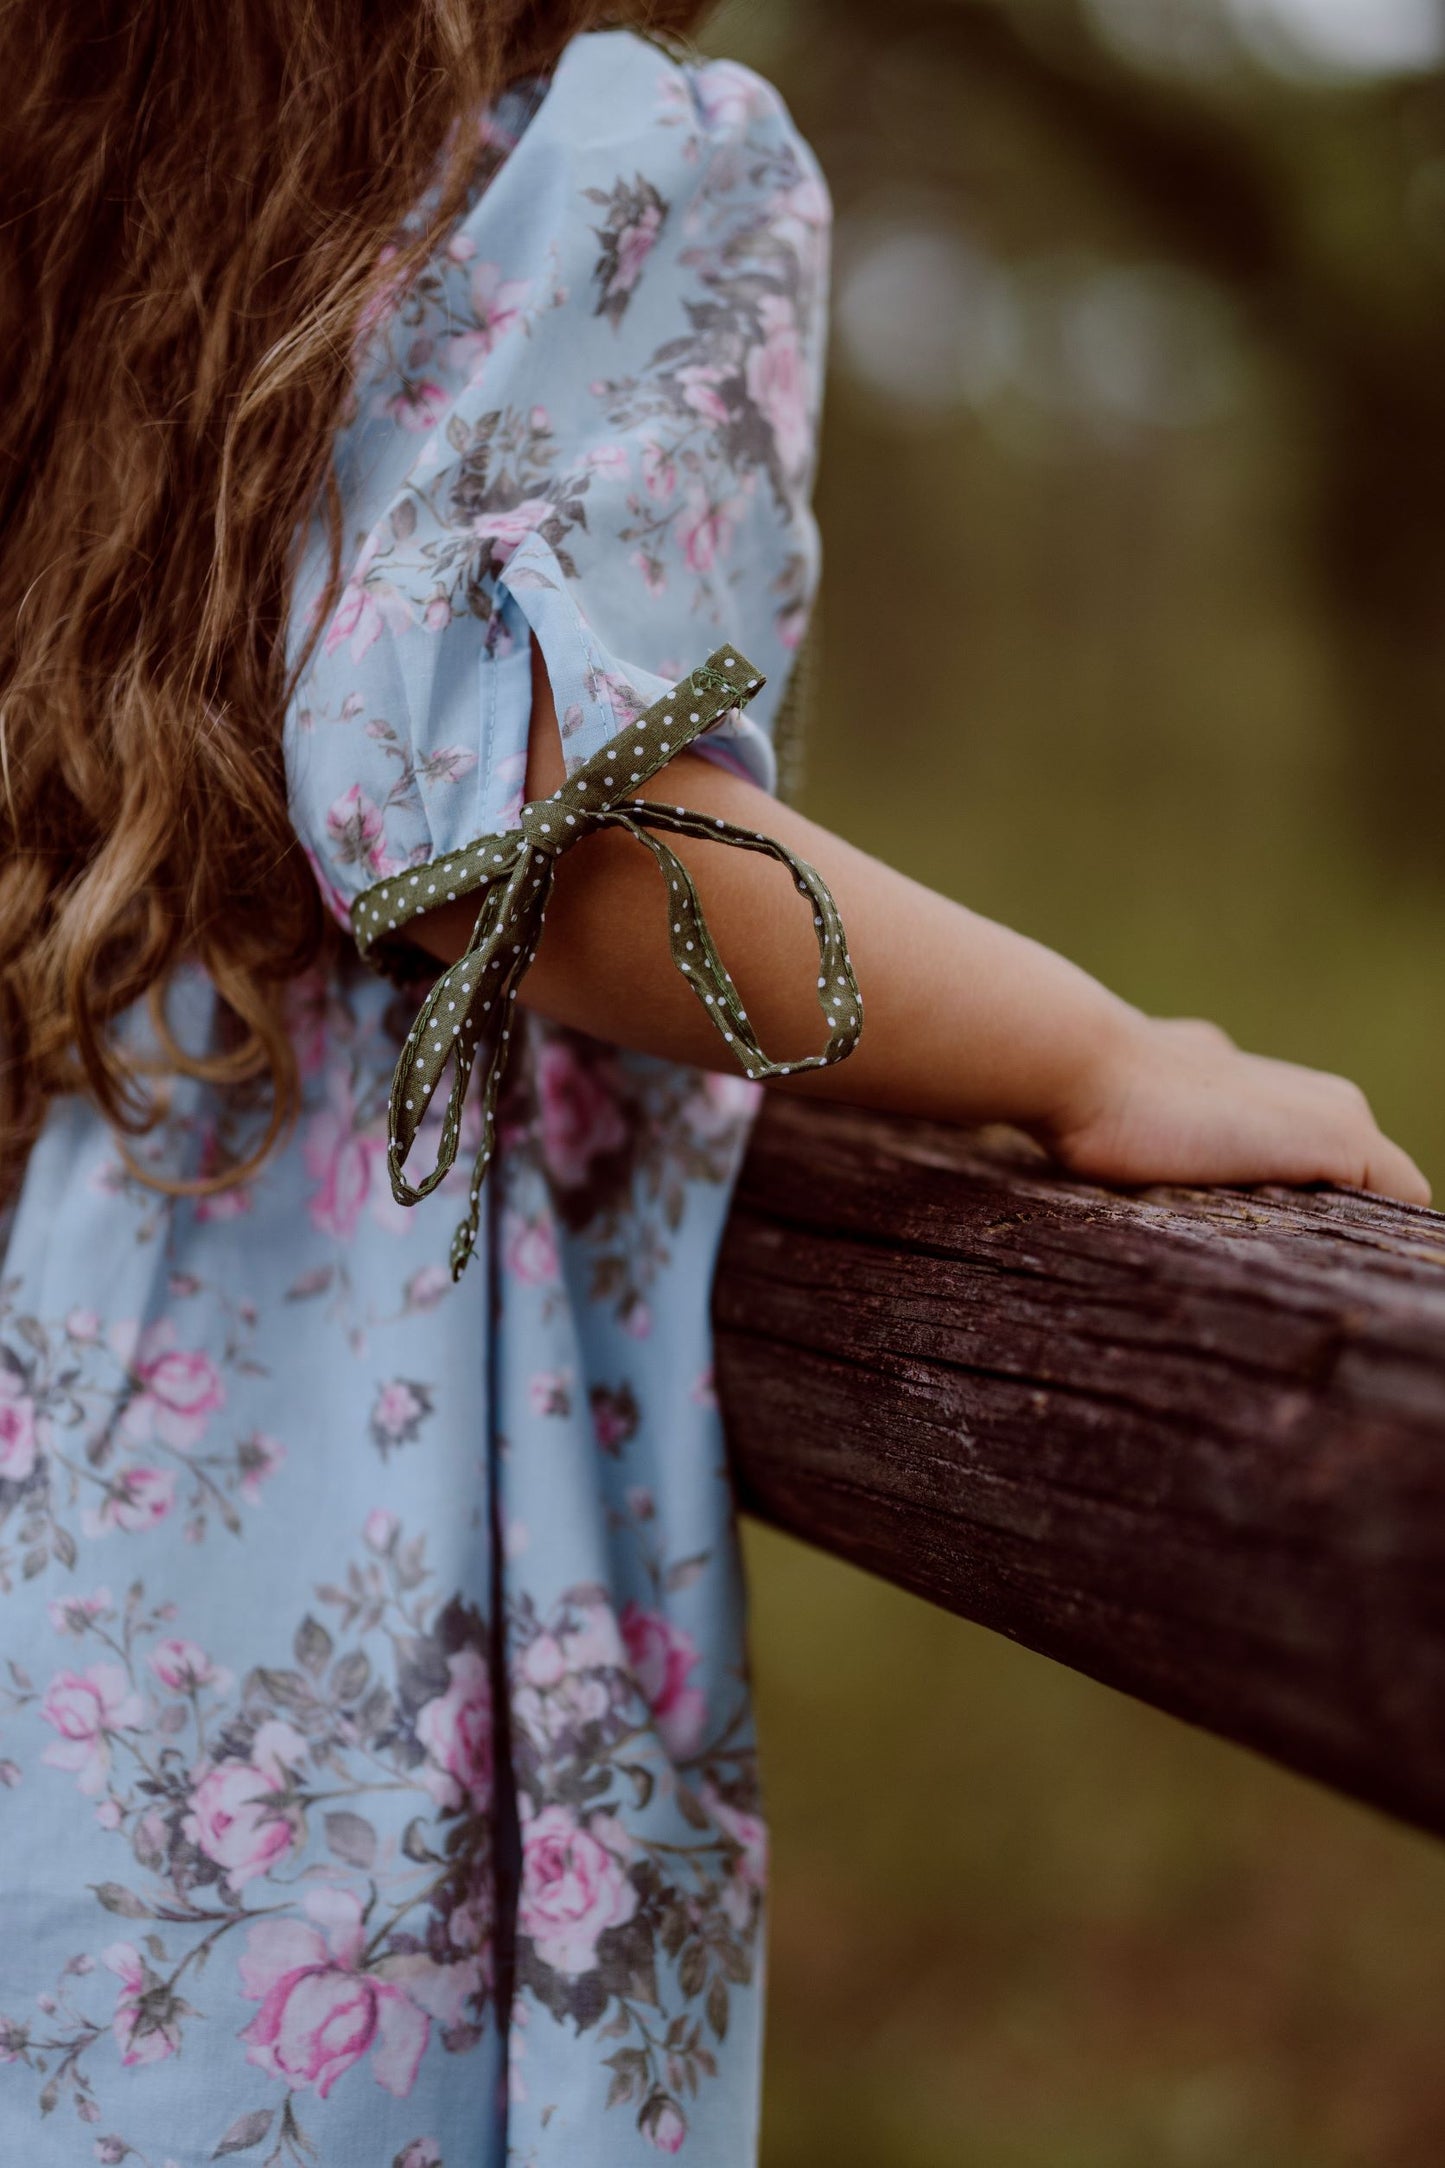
(1134, 506)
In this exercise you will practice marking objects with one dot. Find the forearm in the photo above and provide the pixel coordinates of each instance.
(963, 1020)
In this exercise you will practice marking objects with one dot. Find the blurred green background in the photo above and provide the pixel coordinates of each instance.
(1133, 499)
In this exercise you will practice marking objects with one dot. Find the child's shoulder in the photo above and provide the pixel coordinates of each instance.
(619, 91)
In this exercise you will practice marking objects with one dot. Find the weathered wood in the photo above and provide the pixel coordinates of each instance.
(1189, 1442)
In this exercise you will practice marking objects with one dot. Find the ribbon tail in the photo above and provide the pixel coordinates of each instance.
(696, 954)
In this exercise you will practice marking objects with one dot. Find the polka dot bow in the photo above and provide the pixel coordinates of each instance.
(466, 1019)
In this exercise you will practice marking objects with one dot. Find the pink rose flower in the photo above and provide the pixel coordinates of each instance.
(498, 304)
(777, 381)
(184, 1667)
(235, 1818)
(357, 618)
(529, 1250)
(504, 529)
(419, 405)
(320, 2013)
(700, 390)
(654, 578)
(609, 460)
(664, 2125)
(574, 1886)
(179, 1391)
(635, 244)
(380, 1529)
(747, 1831)
(663, 1659)
(544, 1665)
(580, 1119)
(83, 1326)
(659, 470)
(339, 1158)
(356, 833)
(705, 531)
(136, 1499)
(456, 1730)
(73, 1614)
(146, 2023)
(257, 1457)
(87, 1709)
(721, 1104)
(727, 97)
(550, 1392)
(426, 1287)
(397, 1410)
(17, 1429)
(594, 1643)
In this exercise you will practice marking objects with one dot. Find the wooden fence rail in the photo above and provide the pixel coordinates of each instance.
(1189, 1442)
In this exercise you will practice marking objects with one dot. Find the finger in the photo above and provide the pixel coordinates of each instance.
(1391, 1172)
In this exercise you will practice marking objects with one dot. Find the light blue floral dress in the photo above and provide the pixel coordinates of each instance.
(379, 1779)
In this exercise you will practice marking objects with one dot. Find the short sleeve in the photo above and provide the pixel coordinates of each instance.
(593, 421)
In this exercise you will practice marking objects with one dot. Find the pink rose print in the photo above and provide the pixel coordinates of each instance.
(418, 405)
(659, 469)
(179, 1391)
(136, 1499)
(726, 98)
(497, 304)
(87, 1709)
(17, 1429)
(777, 380)
(574, 1886)
(580, 1118)
(237, 1817)
(662, 2121)
(721, 1103)
(634, 245)
(357, 833)
(380, 1529)
(529, 1250)
(456, 1730)
(615, 1416)
(83, 1326)
(663, 1658)
(320, 2012)
(73, 1615)
(426, 1287)
(700, 384)
(654, 577)
(550, 1392)
(339, 1158)
(146, 2022)
(504, 529)
(185, 1668)
(257, 1457)
(398, 1412)
(705, 531)
(747, 1831)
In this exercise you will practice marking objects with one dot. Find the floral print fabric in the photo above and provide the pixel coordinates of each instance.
(377, 1781)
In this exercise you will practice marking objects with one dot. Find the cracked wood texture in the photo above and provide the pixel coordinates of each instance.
(1189, 1442)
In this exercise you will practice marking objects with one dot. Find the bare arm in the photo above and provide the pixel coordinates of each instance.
(965, 1021)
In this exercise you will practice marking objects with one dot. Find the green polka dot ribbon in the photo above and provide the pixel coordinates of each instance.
(466, 1020)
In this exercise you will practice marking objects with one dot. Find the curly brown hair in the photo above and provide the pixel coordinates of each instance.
(197, 194)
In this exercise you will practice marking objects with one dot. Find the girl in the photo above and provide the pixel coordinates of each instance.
(409, 410)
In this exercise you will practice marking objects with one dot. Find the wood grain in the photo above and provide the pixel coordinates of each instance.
(1189, 1442)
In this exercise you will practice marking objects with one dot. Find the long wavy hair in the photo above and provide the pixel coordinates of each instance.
(197, 197)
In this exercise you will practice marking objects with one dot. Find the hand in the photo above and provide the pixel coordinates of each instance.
(1173, 1099)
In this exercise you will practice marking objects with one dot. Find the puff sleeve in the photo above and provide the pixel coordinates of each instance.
(591, 423)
